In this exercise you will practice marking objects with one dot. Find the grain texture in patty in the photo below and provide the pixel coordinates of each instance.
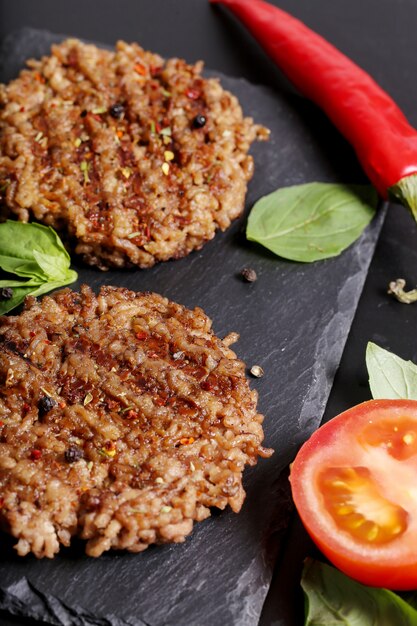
(123, 419)
(138, 159)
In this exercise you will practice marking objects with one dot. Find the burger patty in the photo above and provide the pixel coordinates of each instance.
(123, 419)
(137, 159)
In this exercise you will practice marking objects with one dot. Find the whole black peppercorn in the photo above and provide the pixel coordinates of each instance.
(117, 110)
(83, 113)
(45, 404)
(199, 121)
(248, 274)
(6, 293)
(73, 454)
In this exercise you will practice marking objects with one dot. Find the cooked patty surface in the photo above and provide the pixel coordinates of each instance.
(138, 159)
(123, 419)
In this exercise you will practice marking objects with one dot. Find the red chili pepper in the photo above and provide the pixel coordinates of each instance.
(35, 455)
(384, 141)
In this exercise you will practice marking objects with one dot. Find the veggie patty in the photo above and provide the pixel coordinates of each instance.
(123, 419)
(136, 158)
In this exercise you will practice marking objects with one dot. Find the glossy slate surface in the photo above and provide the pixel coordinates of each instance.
(293, 321)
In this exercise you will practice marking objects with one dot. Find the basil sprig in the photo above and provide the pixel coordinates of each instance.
(313, 221)
(333, 598)
(37, 255)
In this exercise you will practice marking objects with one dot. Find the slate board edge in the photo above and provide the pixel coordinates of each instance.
(51, 610)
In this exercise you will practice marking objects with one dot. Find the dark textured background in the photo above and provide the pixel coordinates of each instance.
(377, 34)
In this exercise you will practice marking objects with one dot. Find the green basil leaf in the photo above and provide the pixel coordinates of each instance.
(333, 599)
(54, 266)
(46, 287)
(25, 269)
(35, 252)
(389, 375)
(19, 241)
(31, 288)
(313, 221)
(70, 277)
(19, 294)
(33, 282)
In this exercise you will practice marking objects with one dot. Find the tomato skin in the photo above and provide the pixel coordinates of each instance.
(342, 443)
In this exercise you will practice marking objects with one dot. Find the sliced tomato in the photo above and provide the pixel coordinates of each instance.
(354, 483)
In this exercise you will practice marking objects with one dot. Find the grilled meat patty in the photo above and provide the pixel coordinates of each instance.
(137, 159)
(123, 419)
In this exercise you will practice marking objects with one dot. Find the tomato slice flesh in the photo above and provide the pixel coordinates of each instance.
(398, 438)
(354, 483)
(357, 506)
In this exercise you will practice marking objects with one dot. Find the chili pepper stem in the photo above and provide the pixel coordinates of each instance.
(405, 192)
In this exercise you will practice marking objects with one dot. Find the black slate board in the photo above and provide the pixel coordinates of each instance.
(294, 322)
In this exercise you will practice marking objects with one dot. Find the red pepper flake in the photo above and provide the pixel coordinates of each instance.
(141, 335)
(207, 385)
(155, 70)
(193, 94)
(26, 407)
(35, 455)
(132, 415)
(1, 502)
(186, 441)
(32, 333)
(140, 69)
(39, 77)
(1, 423)
(148, 232)
(62, 405)
(22, 109)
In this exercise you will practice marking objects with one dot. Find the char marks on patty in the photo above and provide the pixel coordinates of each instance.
(136, 159)
(123, 419)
